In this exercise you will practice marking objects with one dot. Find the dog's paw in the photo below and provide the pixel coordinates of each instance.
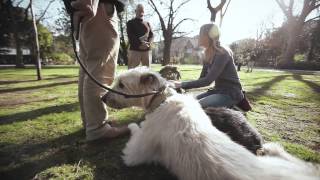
(127, 161)
(133, 127)
(142, 123)
(260, 152)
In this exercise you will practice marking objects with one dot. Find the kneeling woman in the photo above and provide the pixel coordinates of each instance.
(218, 67)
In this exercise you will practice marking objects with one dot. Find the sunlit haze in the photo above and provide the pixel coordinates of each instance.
(242, 20)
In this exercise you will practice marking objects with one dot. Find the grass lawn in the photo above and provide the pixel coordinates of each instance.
(41, 133)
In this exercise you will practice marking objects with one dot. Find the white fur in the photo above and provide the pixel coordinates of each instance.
(179, 135)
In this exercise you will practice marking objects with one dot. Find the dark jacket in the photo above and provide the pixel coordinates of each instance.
(137, 28)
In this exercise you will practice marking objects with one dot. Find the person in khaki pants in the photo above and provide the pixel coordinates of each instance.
(140, 37)
(99, 46)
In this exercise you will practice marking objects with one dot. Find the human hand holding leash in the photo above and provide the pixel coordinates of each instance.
(84, 11)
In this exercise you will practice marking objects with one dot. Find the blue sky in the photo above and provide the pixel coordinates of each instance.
(242, 20)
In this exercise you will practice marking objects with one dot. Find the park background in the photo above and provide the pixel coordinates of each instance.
(41, 135)
(273, 34)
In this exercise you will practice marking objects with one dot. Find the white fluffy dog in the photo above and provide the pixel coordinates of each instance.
(178, 134)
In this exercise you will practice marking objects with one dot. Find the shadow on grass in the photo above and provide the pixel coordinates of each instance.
(15, 82)
(33, 80)
(265, 86)
(37, 87)
(103, 156)
(315, 87)
(23, 116)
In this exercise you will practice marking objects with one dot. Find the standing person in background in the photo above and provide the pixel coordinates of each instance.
(140, 37)
(99, 46)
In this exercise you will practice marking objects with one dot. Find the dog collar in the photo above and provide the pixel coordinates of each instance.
(158, 99)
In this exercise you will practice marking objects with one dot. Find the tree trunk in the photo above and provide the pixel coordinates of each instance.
(310, 54)
(36, 52)
(287, 57)
(166, 51)
(19, 57)
(123, 44)
(313, 43)
(17, 41)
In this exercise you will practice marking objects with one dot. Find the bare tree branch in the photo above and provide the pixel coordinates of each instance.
(308, 6)
(180, 22)
(18, 3)
(209, 6)
(222, 13)
(219, 7)
(164, 3)
(180, 35)
(44, 12)
(170, 20)
(316, 4)
(180, 5)
(290, 8)
(214, 11)
(311, 19)
(169, 27)
(154, 7)
(286, 9)
(26, 11)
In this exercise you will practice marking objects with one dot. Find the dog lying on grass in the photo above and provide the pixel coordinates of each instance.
(235, 125)
(178, 134)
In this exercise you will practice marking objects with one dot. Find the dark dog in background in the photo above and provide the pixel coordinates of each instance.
(236, 126)
(170, 73)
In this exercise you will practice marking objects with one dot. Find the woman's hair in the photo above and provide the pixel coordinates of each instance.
(212, 32)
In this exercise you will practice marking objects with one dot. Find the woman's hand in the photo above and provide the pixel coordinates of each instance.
(175, 84)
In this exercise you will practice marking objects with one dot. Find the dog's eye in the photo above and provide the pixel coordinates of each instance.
(121, 85)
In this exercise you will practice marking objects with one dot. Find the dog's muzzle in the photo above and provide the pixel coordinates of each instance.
(111, 102)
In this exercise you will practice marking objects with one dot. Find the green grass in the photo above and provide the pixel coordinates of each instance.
(41, 132)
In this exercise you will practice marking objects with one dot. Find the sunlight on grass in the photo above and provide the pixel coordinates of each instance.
(67, 172)
(41, 132)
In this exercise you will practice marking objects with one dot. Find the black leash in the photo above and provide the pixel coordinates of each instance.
(93, 78)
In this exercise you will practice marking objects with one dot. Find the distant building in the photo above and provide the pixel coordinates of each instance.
(183, 50)
(8, 55)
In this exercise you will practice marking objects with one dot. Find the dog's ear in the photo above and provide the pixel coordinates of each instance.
(148, 79)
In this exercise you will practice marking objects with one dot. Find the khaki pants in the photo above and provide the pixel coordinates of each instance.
(99, 45)
(135, 57)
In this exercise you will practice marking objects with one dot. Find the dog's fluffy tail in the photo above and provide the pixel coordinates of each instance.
(276, 150)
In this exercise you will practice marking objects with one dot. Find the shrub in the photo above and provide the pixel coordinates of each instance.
(61, 58)
(298, 57)
(189, 60)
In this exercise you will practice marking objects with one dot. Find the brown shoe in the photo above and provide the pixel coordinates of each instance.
(114, 132)
(113, 123)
